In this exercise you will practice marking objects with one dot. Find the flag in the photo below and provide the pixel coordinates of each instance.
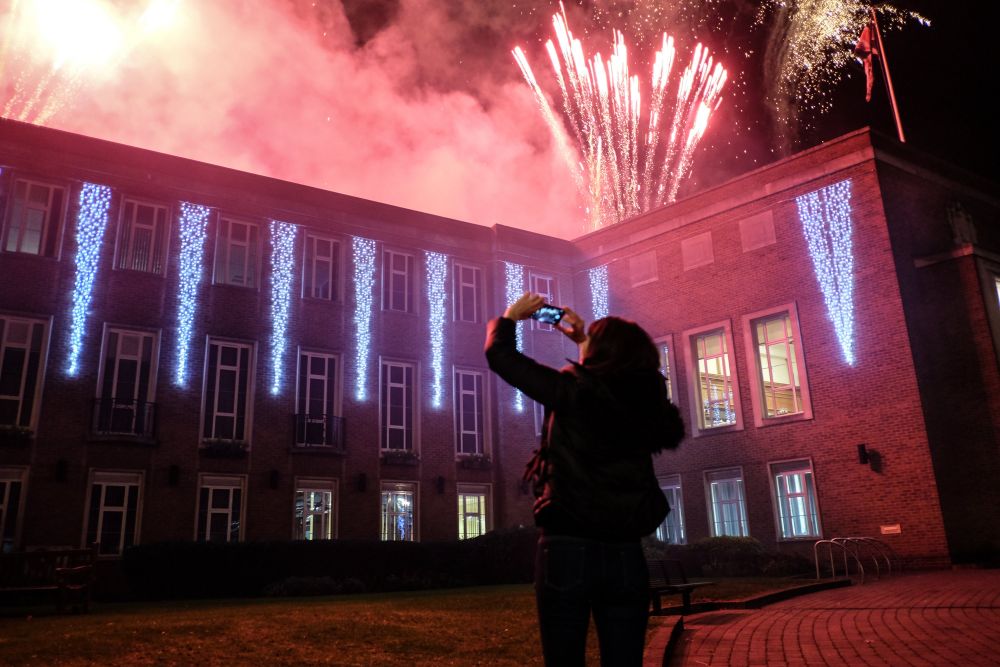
(864, 51)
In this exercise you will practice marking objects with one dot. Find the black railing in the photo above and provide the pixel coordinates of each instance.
(325, 432)
(127, 418)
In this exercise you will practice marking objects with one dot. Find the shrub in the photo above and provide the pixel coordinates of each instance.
(198, 569)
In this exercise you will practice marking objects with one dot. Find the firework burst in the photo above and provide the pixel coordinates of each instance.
(621, 165)
(810, 45)
(52, 46)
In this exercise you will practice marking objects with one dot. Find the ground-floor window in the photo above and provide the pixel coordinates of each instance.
(113, 511)
(671, 530)
(399, 500)
(728, 505)
(795, 499)
(220, 508)
(473, 510)
(11, 485)
(314, 509)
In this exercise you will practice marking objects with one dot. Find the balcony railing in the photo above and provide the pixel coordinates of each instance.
(319, 433)
(116, 417)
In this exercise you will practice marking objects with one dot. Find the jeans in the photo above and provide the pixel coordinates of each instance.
(575, 577)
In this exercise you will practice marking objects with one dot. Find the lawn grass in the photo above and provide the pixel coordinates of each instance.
(493, 625)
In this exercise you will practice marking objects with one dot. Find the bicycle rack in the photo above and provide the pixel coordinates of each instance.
(857, 549)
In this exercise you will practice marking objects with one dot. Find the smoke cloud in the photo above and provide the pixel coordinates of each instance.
(406, 104)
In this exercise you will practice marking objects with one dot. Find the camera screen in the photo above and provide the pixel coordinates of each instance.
(548, 314)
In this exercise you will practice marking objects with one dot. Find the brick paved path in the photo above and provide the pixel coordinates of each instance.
(938, 618)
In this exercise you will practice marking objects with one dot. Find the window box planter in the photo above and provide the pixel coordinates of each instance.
(400, 457)
(224, 449)
(475, 462)
(15, 436)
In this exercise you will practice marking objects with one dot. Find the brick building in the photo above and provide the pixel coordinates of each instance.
(192, 352)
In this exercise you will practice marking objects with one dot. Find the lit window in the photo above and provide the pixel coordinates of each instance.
(314, 511)
(468, 290)
(317, 421)
(665, 346)
(321, 274)
(35, 218)
(779, 390)
(236, 253)
(11, 486)
(228, 390)
(397, 405)
(546, 286)
(996, 280)
(113, 511)
(220, 508)
(22, 364)
(716, 396)
(729, 512)
(470, 429)
(397, 282)
(142, 237)
(398, 511)
(126, 383)
(671, 530)
(473, 510)
(795, 497)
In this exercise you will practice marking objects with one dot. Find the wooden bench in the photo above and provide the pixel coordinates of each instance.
(69, 573)
(666, 577)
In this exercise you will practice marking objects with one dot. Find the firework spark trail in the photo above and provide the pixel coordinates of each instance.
(602, 103)
(811, 43)
(56, 44)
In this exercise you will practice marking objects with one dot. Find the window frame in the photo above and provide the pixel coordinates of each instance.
(478, 288)
(223, 253)
(10, 475)
(221, 481)
(164, 237)
(336, 270)
(667, 341)
(756, 383)
(104, 479)
(414, 367)
(673, 481)
(410, 274)
(51, 226)
(696, 411)
(485, 491)
(42, 361)
(313, 485)
(776, 468)
(727, 474)
(551, 296)
(250, 391)
(150, 391)
(336, 402)
(483, 403)
(389, 486)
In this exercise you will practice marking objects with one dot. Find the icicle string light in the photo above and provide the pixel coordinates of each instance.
(193, 230)
(91, 221)
(826, 222)
(599, 291)
(515, 288)
(437, 272)
(282, 266)
(364, 287)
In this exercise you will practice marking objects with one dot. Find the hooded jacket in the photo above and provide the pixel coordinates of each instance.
(593, 473)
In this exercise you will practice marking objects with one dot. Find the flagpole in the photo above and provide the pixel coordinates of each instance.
(888, 79)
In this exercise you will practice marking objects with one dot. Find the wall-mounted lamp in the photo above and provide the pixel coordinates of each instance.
(362, 482)
(174, 475)
(439, 483)
(273, 478)
(863, 457)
